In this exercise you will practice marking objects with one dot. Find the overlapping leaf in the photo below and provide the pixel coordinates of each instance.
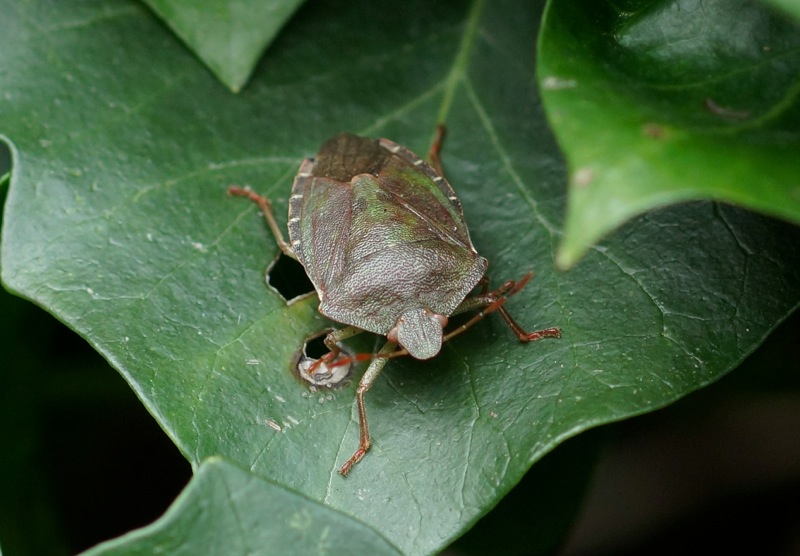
(224, 500)
(228, 36)
(661, 102)
(791, 6)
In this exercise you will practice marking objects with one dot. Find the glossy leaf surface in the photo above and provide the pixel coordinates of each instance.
(790, 6)
(656, 103)
(117, 222)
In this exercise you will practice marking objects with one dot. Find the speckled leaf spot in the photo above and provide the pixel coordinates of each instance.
(383, 239)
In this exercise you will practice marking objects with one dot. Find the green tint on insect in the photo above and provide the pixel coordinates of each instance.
(382, 236)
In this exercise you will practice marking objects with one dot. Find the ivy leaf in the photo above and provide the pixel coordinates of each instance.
(228, 36)
(222, 502)
(658, 103)
(117, 222)
(790, 6)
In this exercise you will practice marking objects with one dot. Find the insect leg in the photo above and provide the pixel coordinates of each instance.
(266, 210)
(493, 301)
(365, 384)
(331, 342)
(436, 147)
(484, 284)
(522, 334)
(339, 335)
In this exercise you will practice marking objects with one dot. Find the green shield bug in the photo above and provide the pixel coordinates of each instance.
(382, 237)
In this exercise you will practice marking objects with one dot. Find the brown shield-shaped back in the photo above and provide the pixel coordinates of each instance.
(380, 232)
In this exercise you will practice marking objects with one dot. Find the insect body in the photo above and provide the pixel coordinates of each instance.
(382, 236)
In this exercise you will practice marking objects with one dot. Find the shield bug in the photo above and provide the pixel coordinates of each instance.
(382, 236)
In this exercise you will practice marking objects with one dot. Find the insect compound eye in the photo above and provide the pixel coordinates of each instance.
(288, 278)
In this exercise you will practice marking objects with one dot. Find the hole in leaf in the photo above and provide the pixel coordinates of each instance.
(306, 364)
(316, 348)
(288, 277)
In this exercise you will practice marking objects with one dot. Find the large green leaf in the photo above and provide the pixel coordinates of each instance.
(226, 510)
(791, 6)
(660, 102)
(117, 221)
(230, 35)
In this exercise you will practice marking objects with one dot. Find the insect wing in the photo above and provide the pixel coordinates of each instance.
(389, 238)
(423, 191)
(319, 225)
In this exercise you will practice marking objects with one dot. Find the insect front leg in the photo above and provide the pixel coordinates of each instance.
(365, 384)
(332, 343)
(493, 301)
(266, 210)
